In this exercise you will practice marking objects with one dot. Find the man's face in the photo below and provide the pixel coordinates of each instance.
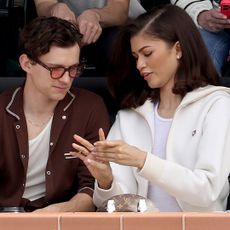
(39, 78)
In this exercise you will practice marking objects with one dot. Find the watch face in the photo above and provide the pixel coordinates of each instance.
(127, 203)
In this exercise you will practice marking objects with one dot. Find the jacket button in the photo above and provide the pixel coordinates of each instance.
(48, 173)
(17, 127)
(63, 117)
(23, 156)
(51, 143)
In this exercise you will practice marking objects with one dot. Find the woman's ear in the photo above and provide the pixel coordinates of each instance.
(25, 63)
(178, 50)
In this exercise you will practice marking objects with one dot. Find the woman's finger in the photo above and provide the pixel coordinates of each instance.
(107, 156)
(101, 134)
(107, 144)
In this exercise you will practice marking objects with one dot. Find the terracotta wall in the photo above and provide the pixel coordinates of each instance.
(115, 221)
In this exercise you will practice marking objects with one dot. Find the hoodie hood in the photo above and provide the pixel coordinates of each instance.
(189, 98)
(202, 92)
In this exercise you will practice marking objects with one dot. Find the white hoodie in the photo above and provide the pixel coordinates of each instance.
(197, 161)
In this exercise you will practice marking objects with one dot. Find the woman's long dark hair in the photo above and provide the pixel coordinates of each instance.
(170, 24)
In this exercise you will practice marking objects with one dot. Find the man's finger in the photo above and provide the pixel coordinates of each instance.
(83, 142)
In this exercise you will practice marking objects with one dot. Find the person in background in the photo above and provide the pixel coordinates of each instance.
(170, 141)
(97, 20)
(214, 28)
(39, 119)
(90, 15)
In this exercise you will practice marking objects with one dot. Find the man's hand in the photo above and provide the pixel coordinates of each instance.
(100, 170)
(81, 202)
(89, 25)
(213, 20)
(61, 10)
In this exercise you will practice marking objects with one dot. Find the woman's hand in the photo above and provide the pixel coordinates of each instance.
(100, 170)
(120, 153)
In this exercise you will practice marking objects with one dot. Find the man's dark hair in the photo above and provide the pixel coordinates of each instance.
(40, 34)
(170, 24)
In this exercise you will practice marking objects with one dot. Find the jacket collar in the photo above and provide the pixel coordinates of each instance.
(202, 92)
(146, 108)
(15, 106)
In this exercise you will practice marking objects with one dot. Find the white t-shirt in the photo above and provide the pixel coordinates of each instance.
(38, 155)
(164, 201)
(78, 6)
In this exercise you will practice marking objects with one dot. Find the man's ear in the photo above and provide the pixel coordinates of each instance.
(178, 50)
(25, 63)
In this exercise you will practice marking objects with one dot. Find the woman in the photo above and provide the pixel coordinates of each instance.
(170, 141)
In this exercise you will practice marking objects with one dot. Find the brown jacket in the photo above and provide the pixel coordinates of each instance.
(80, 112)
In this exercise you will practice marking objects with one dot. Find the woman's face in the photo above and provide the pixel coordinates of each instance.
(156, 61)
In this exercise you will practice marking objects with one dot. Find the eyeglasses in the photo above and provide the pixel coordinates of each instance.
(59, 71)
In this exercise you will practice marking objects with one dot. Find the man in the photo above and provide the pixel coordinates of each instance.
(214, 27)
(38, 122)
(90, 15)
